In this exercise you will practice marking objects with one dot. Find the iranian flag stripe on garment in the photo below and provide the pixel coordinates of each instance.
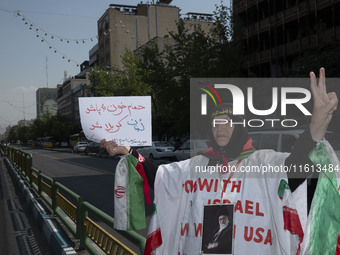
(291, 215)
(154, 239)
(129, 209)
(323, 229)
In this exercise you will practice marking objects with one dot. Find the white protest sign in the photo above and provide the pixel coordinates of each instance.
(127, 120)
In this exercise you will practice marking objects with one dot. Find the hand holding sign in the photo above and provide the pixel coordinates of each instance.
(324, 106)
(126, 120)
(113, 149)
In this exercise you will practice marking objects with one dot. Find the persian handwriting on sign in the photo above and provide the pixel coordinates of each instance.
(126, 120)
(138, 126)
(114, 128)
(96, 126)
(113, 109)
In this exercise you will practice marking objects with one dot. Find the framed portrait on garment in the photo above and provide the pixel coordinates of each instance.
(217, 230)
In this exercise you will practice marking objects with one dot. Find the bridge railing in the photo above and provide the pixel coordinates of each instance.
(73, 214)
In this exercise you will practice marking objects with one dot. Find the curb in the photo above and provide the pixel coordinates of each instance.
(49, 227)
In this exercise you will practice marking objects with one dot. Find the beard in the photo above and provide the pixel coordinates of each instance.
(224, 225)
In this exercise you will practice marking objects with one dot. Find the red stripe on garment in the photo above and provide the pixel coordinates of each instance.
(146, 189)
(153, 241)
(338, 244)
(292, 224)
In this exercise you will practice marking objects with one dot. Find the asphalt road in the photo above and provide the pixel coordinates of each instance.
(90, 177)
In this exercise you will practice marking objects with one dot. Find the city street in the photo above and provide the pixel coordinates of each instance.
(90, 177)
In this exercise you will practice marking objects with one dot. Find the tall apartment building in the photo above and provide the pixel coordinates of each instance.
(69, 93)
(279, 32)
(129, 27)
(46, 100)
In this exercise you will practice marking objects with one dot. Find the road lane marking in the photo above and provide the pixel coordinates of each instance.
(73, 163)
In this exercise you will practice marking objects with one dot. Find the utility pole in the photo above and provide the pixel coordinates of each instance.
(46, 73)
(23, 105)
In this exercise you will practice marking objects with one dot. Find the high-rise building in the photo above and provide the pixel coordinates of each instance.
(129, 27)
(46, 99)
(68, 94)
(277, 33)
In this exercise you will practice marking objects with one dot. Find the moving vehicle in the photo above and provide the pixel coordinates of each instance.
(157, 150)
(80, 146)
(75, 138)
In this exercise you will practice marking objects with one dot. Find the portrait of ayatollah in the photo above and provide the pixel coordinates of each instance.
(217, 233)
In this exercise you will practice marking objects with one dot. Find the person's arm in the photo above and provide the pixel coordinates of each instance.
(149, 166)
(299, 158)
(324, 106)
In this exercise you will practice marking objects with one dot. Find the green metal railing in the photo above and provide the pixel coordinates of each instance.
(74, 215)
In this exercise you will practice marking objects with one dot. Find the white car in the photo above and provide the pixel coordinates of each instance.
(80, 146)
(191, 148)
(157, 150)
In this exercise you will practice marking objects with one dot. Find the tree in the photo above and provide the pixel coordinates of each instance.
(165, 75)
(127, 81)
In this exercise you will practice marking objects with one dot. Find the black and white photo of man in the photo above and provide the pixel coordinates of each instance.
(218, 240)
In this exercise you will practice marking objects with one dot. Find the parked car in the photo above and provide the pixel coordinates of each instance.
(80, 146)
(94, 147)
(157, 150)
(64, 144)
(47, 145)
(284, 140)
(191, 148)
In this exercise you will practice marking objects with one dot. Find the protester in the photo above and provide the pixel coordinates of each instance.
(263, 207)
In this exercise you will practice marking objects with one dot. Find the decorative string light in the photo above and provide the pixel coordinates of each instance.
(43, 34)
(62, 39)
(17, 108)
(55, 50)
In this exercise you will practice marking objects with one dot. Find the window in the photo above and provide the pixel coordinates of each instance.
(200, 144)
(185, 146)
(287, 143)
(269, 141)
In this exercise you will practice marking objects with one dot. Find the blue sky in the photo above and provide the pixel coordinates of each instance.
(23, 54)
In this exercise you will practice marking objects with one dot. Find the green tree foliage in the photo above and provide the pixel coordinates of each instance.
(127, 81)
(60, 128)
(165, 74)
(229, 50)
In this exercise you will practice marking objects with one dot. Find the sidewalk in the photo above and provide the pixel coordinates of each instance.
(18, 232)
(26, 226)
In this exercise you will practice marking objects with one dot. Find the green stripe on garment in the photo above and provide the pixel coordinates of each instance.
(325, 211)
(282, 188)
(154, 210)
(245, 154)
(134, 196)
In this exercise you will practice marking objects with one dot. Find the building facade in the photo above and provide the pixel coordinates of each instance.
(46, 100)
(129, 27)
(68, 94)
(278, 33)
(93, 56)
